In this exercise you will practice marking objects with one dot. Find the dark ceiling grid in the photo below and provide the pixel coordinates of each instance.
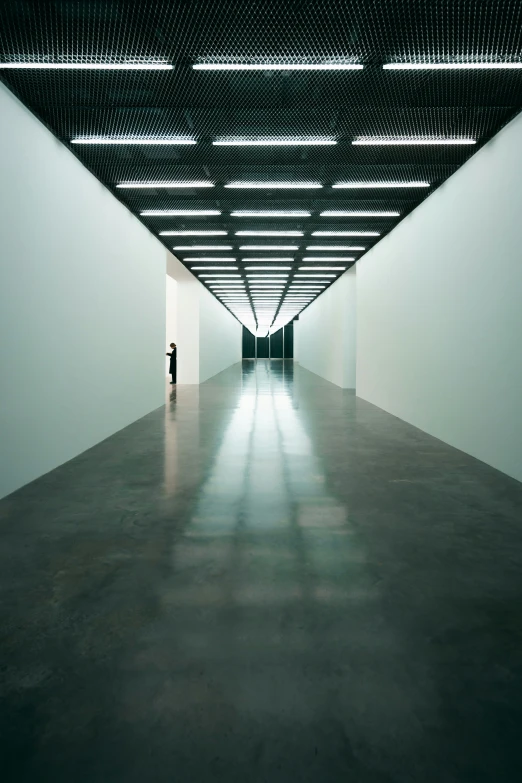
(209, 106)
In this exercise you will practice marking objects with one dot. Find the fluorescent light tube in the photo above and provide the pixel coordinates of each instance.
(321, 275)
(227, 260)
(267, 268)
(269, 247)
(345, 234)
(323, 268)
(271, 214)
(137, 185)
(359, 185)
(278, 67)
(91, 66)
(274, 142)
(268, 233)
(128, 140)
(266, 277)
(214, 267)
(272, 260)
(329, 258)
(345, 213)
(450, 66)
(202, 247)
(209, 276)
(179, 212)
(334, 248)
(418, 141)
(274, 185)
(195, 233)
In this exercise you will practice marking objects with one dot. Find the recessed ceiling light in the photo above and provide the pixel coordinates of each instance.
(227, 260)
(322, 268)
(278, 67)
(195, 233)
(307, 275)
(179, 212)
(271, 214)
(209, 276)
(275, 185)
(345, 234)
(329, 258)
(269, 268)
(202, 247)
(359, 185)
(137, 185)
(274, 142)
(128, 140)
(151, 66)
(419, 141)
(449, 66)
(269, 247)
(334, 247)
(214, 267)
(344, 213)
(269, 233)
(266, 277)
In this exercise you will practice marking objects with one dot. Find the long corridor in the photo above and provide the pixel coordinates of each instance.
(267, 580)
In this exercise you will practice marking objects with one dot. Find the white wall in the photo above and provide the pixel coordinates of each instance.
(82, 295)
(325, 334)
(209, 337)
(439, 305)
(171, 302)
(220, 336)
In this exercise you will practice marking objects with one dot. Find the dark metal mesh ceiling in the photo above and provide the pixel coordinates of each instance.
(212, 105)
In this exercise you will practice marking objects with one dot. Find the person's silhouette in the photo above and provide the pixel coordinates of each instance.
(172, 367)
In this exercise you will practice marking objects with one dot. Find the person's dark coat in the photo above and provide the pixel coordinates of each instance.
(173, 357)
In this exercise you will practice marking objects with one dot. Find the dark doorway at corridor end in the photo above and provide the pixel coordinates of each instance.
(279, 345)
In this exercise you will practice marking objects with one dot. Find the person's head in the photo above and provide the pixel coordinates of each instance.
(173, 345)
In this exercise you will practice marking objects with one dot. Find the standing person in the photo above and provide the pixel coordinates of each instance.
(172, 367)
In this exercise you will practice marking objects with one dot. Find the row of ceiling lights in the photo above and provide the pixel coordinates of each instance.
(273, 185)
(319, 142)
(325, 66)
(265, 290)
(274, 213)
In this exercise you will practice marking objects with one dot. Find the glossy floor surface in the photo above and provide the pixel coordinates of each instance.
(268, 580)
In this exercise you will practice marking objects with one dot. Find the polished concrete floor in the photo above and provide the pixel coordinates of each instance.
(268, 580)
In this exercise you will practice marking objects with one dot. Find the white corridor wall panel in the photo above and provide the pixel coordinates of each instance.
(325, 334)
(82, 305)
(219, 337)
(439, 305)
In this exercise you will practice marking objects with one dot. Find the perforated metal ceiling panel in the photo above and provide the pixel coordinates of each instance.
(208, 106)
